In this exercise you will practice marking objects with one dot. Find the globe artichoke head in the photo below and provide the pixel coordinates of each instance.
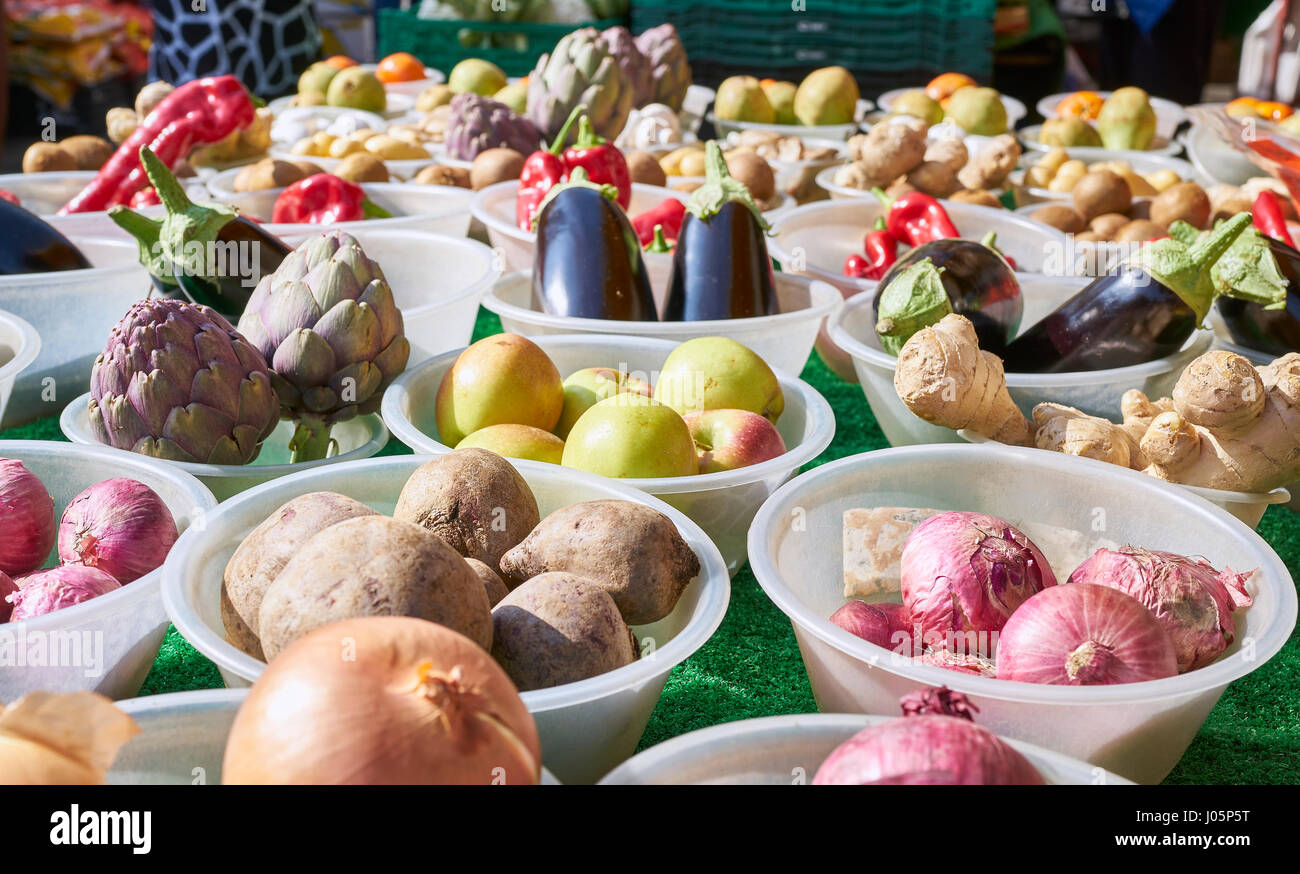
(620, 43)
(579, 70)
(327, 321)
(177, 381)
(479, 123)
(669, 70)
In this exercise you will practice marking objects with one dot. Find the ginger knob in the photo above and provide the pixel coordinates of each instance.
(1221, 391)
(1171, 441)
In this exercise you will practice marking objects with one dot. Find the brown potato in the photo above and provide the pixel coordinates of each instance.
(495, 165)
(267, 173)
(373, 566)
(474, 500)
(1107, 224)
(933, 178)
(979, 198)
(89, 152)
(439, 174)
(492, 584)
(307, 168)
(1185, 201)
(1062, 217)
(754, 172)
(644, 168)
(559, 628)
(633, 551)
(362, 167)
(1139, 231)
(42, 157)
(1099, 192)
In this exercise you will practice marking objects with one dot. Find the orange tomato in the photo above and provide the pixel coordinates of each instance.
(400, 67)
(941, 87)
(1243, 107)
(1273, 110)
(340, 62)
(1081, 104)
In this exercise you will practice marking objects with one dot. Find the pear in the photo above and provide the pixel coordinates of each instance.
(978, 111)
(826, 96)
(781, 96)
(1068, 132)
(316, 78)
(918, 104)
(741, 98)
(1127, 121)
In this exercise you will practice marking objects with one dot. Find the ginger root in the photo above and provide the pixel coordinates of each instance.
(1229, 425)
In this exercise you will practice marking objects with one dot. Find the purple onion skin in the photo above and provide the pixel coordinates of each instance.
(865, 621)
(966, 573)
(120, 526)
(27, 525)
(1193, 601)
(53, 589)
(7, 588)
(1083, 634)
(926, 750)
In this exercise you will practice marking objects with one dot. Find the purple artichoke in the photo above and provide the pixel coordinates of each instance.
(480, 123)
(670, 72)
(176, 381)
(620, 43)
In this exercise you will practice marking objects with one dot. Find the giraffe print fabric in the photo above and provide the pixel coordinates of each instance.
(266, 43)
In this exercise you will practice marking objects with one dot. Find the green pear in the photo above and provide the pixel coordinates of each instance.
(827, 96)
(631, 435)
(585, 388)
(741, 98)
(1068, 132)
(515, 96)
(781, 96)
(1126, 120)
(477, 75)
(978, 111)
(516, 441)
(316, 78)
(356, 88)
(502, 379)
(918, 104)
(718, 373)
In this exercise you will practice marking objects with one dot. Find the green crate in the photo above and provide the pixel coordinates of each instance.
(514, 46)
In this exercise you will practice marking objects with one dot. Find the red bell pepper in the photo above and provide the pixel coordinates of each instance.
(881, 251)
(604, 163)
(991, 240)
(916, 218)
(324, 199)
(1268, 218)
(669, 215)
(9, 196)
(546, 168)
(197, 113)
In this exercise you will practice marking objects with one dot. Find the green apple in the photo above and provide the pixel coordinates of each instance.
(582, 390)
(516, 441)
(631, 435)
(717, 373)
(504, 379)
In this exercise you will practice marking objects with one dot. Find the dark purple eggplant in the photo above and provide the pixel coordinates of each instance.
(588, 263)
(721, 269)
(32, 245)
(949, 276)
(1272, 331)
(1144, 311)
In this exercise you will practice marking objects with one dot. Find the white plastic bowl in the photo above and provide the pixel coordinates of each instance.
(494, 206)
(357, 438)
(1216, 159)
(400, 170)
(825, 180)
(1015, 109)
(440, 209)
(19, 346)
(316, 118)
(1095, 392)
(720, 503)
(413, 87)
(586, 727)
(398, 105)
(1159, 146)
(73, 311)
(106, 644)
(788, 750)
(783, 340)
(1169, 115)
(778, 205)
(822, 131)
(1138, 730)
(46, 193)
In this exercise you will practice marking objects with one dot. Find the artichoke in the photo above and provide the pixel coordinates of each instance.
(580, 70)
(620, 43)
(670, 72)
(327, 322)
(479, 123)
(176, 381)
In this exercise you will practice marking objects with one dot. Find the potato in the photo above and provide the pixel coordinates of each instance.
(373, 566)
(755, 173)
(42, 157)
(474, 500)
(438, 174)
(267, 173)
(344, 146)
(306, 168)
(979, 198)
(1053, 159)
(362, 167)
(492, 584)
(1062, 217)
(495, 165)
(1139, 231)
(266, 550)
(633, 551)
(933, 178)
(691, 164)
(559, 628)
(671, 163)
(1038, 176)
(120, 122)
(645, 168)
(1185, 201)
(1107, 225)
(1101, 191)
(90, 153)
(390, 148)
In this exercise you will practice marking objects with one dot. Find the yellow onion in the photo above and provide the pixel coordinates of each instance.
(69, 739)
(383, 700)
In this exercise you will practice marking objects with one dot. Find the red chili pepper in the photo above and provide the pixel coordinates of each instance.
(145, 197)
(197, 113)
(546, 168)
(991, 240)
(604, 163)
(669, 214)
(1268, 218)
(916, 218)
(881, 250)
(543, 170)
(9, 196)
(323, 199)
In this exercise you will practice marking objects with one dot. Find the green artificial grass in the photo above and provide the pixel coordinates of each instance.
(751, 666)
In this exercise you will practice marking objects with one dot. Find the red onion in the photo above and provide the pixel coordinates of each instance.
(864, 620)
(7, 588)
(1083, 634)
(120, 526)
(27, 511)
(1192, 600)
(53, 589)
(963, 574)
(935, 743)
(966, 663)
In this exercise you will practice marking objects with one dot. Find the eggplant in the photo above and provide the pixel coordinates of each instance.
(949, 276)
(1255, 326)
(1144, 311)
(721, 269)
(32, 245)
(241, 244)
(588, 263)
